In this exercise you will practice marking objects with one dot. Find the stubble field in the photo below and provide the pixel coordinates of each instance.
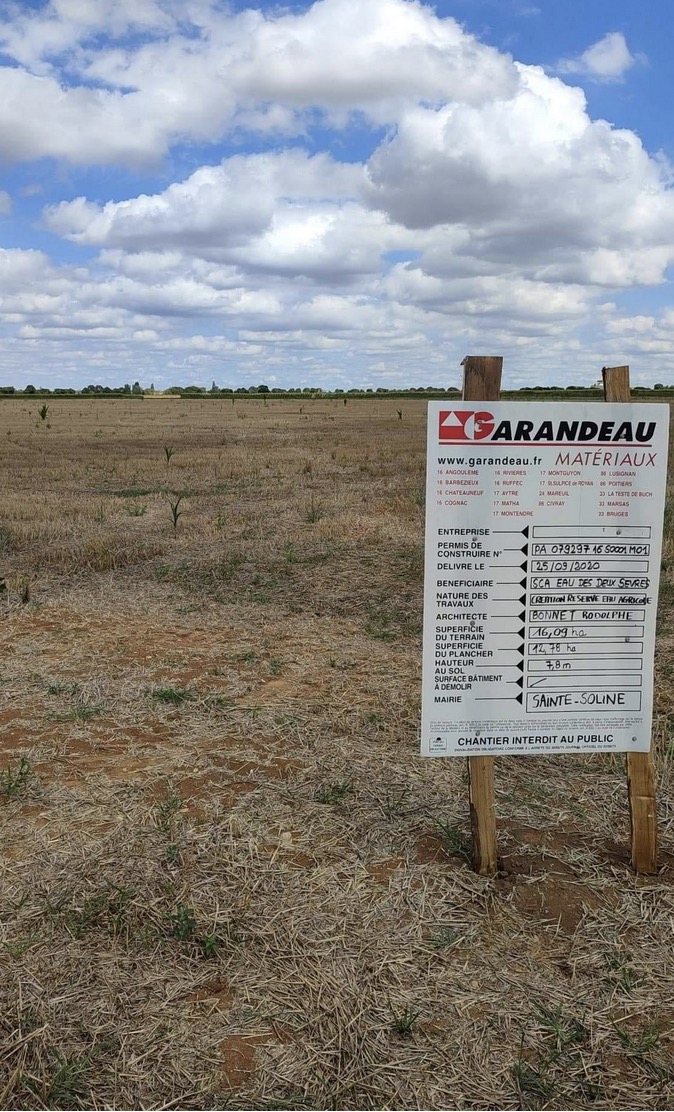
(228, 880)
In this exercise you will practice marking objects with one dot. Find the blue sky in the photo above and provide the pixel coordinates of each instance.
(349, 193)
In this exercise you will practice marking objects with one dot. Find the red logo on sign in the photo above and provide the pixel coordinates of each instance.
(465, 424)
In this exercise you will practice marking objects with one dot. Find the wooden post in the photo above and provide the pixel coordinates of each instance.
(640, 774)
(482, 383)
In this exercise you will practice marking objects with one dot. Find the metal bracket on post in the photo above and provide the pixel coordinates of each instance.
(481, 383)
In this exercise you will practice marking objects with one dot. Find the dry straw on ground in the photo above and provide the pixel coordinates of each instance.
(228, 880)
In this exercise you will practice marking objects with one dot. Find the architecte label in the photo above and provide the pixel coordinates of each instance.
(543, 538)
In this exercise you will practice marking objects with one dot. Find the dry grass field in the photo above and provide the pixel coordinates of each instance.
(228, 880)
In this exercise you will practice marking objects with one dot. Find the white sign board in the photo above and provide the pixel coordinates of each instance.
(543, 538)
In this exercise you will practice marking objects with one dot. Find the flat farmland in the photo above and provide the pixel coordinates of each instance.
(228, 881)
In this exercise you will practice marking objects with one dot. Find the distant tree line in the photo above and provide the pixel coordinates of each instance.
(135, 390)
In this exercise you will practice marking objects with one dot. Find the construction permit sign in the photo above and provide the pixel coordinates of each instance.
(543, 539)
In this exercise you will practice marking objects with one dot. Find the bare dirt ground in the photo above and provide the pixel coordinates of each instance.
(228, 879)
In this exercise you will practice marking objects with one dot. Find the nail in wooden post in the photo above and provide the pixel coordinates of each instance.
(640, 774)
(482, 383)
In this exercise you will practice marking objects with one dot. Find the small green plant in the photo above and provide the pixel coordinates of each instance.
(620, 972)
(20, 947)
(106, 909)
(118, 905)
(227, 567)
(377, 626)
(530, 1081)
(220, 701)
(210, 945)
(167, 809)
(276, 665)
(13, 783)
(55, 905)
(566, 1031)
(445, 938)
(173, 695)
(59, 688)
(314, 511)
(403, 1024)
(400, 414)
(456, 841)
(136, 509)
(79, 919)
(333, 793)
(393, 805)
(641, 1042)
(539, 1072)
(176, 512)
(168, 453)
(43, 412)
(260, 597)
(84, 712)
(182, 923)
(163, 571)
(66, 1087)
(379, 633)
(99, 513)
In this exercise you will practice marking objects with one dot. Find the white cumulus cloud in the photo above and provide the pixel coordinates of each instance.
(487, 206)
(607, 60)
(214, 71)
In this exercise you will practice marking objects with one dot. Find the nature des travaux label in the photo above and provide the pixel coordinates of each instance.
(542, 564)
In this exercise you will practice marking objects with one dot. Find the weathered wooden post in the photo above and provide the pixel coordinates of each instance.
(640, 775)
(481, 383)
